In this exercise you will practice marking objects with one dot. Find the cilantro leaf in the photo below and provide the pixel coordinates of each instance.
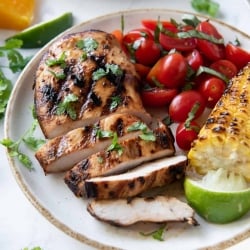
(66, 106)
(115, 102)
(157, 234)
(88, 44)
(115, 146)
(28, 138)
(206, 6)
(5, 91)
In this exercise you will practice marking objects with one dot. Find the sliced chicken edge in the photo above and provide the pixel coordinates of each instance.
(152, 174)
(63, 152)
(158, 209)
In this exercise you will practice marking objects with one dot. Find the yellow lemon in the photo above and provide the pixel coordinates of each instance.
(219, 197)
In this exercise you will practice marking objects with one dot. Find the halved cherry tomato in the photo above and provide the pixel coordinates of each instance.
(186, 135)
(225, 67)
(212, 90)
(237, 55)
(183, 103)
(157, 97)
(211, 50)
(170, 71)
(152, 24)
(135, 34)
(146, 51)
(194, 59)
(185, 44)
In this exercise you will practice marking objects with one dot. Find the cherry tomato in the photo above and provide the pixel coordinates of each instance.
(170, 71)
(183, 103)
(212, 90)
(135, 34)
(186, 135)
(194, 59)
(168, 43)
(211, 50)
(142, 70)
(152, 24)
(157, 97)
(147, 52)
(225, 67)
(237, 55)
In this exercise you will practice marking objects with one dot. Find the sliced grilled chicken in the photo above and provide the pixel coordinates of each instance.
(120, 157)
(82, 78)
(140, 179)
(124, 212)
(63, 152)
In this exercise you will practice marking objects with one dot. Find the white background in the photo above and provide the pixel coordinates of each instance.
(21, 225)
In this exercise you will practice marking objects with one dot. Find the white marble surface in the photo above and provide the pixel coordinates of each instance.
(21, 225)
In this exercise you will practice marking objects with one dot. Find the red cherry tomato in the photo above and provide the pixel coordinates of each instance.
(237, 55)
(135, 34)
(186, 135)
(142, 70)
(147, 52)
(170, 71)
(183, 103)
(168, 43)
(194, 59)
(157, 97)
(212, 90)
(225, 67)
(211, 50)
(152, 24)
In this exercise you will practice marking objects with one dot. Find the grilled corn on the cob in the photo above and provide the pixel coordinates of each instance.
(224, 140)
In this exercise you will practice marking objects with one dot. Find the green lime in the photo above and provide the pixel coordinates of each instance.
(219, 197)
(38, 35)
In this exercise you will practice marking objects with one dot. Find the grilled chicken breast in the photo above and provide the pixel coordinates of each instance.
(159, 209)
(82, 78)
(122, 156)
(153, 174)
(224, 140)
(63, 152)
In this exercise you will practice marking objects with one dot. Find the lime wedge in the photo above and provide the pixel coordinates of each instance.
(38, 35)
(219, 197)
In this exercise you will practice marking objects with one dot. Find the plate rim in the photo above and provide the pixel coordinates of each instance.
(17, 174)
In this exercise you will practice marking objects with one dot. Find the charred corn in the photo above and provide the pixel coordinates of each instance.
(224, 140)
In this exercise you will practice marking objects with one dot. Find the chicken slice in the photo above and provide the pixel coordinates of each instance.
(62, 152)
(125, 212)
(124, 156)
(84, 77)
(140, 179)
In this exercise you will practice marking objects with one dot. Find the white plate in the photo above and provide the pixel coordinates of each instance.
(57, 203)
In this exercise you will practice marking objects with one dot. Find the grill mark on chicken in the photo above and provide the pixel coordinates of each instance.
(149, 175)
(135, 152)
(94, 96)
(63, 152)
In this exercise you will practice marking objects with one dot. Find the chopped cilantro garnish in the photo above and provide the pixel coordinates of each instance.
(59, 75)
(115, 146)
(103, 134)
(115, 102)
(29, 139)
(147, 135)
(5, 90)
(157, 234)
(66, 106)
(88, 44)
(57, 62)
(206, 6)
(113, 69)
